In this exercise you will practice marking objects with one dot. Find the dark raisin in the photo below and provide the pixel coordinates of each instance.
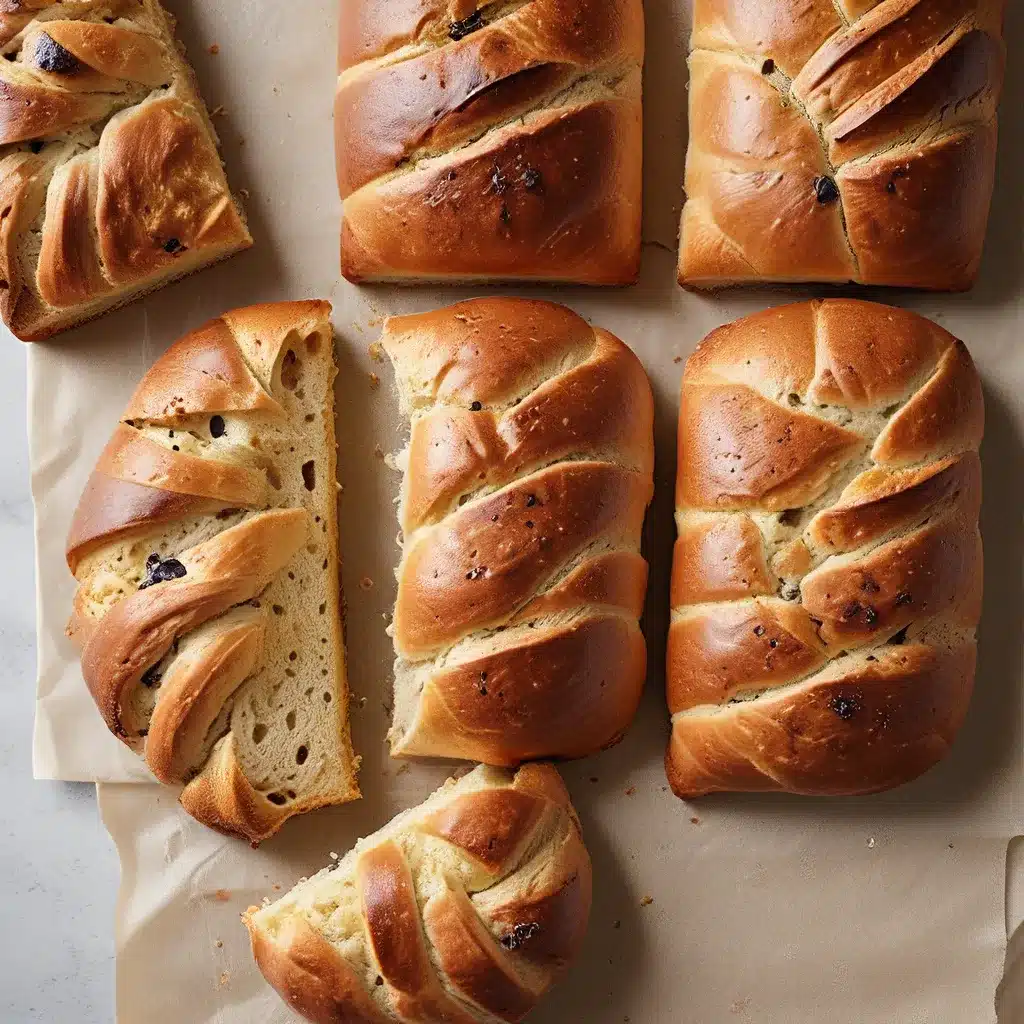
(151, 676)
(903, 598)
(161, 570)
(451, 175)
(52, 57)
(891, 188)
(844, 707)
(172, 245)
(506, 217)
(825, 189)
(529, 524)
(531, 500)
(870, 615)
(852, 610)
(217, 427)
(498, 181)
(475, 407)
(476, 573)
(759, 630)
(520, 935)
(532, 180)
(495, 517)
(773, 644)
(768, 67)
(869, 585)
(898, 638)
(460, 29)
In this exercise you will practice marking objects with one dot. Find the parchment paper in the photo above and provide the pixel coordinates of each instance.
(887, 909)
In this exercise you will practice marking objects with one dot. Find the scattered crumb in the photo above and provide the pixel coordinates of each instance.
(677, 359)
(334, 856)
(213, 49)
(631, 791)
(402, 769)
(951, 846)
(374, 382)
(695, 821)
(871, 843)
(244, 193)
(224, 976)
(222, 895)
(376, 350)
(646, 901)
(618, 924)
(276, 887)
(366, 583)
(218, 111)
(276, 90)
(241, 140)
(218, 943)
(664, 789)
(378, 451)
(739, 1006)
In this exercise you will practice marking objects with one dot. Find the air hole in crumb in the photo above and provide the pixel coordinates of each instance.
(889, 410)
(290, 370)
(291, 794)
(259, 731)
(279, 799)
(301, 754)
(310, 417)
(309, 475)
(794, 399)
(327, 697)
(293, 655)
(323, 608)
(289, 720)
(789, 517)
(273, 478)
(277, 609)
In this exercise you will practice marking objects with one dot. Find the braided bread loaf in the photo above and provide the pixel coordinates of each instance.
(835, 140)
(205, 547)
(478, 139)
(527, 475)
(464, 909)
(827, 581)
(110, 181)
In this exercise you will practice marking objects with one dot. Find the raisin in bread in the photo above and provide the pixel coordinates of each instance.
(205, 546)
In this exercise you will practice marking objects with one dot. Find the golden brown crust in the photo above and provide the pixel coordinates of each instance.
(822, 637)
(502, 146)
(828, 147)
(464, 910)
(136, 192)
(180, 544)
(527, 477)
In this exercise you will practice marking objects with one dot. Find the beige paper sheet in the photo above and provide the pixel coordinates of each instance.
(889, 909)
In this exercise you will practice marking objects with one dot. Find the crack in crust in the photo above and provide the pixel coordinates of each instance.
(208, 606)
(110, 180)
(465, 909)
(827, 575)
(820, 140)
(527, 476)
(499, 141)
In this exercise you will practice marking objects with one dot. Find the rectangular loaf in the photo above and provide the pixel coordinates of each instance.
(841, 140)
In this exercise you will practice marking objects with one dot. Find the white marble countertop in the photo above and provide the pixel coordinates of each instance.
(59, 867)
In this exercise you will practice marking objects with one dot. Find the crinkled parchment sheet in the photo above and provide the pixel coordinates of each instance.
(767, 909)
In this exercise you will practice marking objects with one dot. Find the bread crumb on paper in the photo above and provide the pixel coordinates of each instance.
(739, 1006)
(646, 901)
(677, 359)
(213, 49)
(871, 843)
(695, 821)
(374, 382)
(224, 977)
(276, 887)
(245, 193)
(218, 111)
(218, 943)
(366, 583)
(631, 791)
(222, 895)
(376, 351)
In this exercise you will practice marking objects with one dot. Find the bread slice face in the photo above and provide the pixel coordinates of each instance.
(205, 546)
(110, 177)
(465, 909)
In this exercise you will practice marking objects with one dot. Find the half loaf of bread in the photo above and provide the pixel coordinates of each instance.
(527, 475)
(110, 180)
(827, 578)
(205, 547)
(463, 910)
